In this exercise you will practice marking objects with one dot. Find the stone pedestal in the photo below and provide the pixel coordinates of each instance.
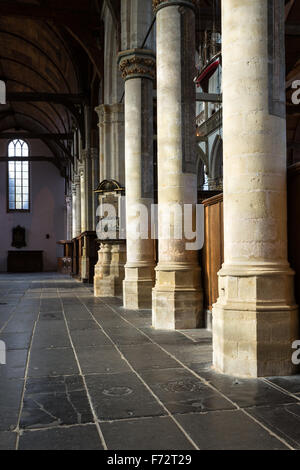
(177, 295)
(255, 319)
(109, 271)
(138, 284)
(138, 71)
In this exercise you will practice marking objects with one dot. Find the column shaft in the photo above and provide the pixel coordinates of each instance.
(89, 194)
(76, 207)
(111, 136)
(137, 67)
(95, 182)
(69, 222)
(177, 296)
(83, 198)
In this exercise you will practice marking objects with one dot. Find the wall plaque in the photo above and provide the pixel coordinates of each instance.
(18, 237)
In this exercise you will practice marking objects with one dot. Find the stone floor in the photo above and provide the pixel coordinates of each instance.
(83, 373)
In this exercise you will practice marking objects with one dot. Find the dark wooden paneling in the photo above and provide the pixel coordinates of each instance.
(90, 239)
(213, 250)
(294, 223)
(25, 261)
(92, 246)
(64, 265)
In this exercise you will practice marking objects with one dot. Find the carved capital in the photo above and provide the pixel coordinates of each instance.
(159, 4)
(109, 113)
(137, 63)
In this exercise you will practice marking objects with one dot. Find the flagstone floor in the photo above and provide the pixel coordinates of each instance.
(84, 373)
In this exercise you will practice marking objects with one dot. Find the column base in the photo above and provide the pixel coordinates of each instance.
(109, 271)
(255, 322)
(137, 287)
(177, 298)
(109, 286)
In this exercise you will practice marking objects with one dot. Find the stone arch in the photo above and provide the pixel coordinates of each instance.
(216, 165)
(114, 85)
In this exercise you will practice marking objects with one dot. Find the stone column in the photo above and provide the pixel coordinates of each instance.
(76, 207)
(255, 319)
(89, 187)
(69, 217)
(111, 130)
(83, 194)
(177, 296)
(82, 197)
(95, 182)
(87, 224)
(73, 210)
(138, 70)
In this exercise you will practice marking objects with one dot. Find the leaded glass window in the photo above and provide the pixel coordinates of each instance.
(18, 176)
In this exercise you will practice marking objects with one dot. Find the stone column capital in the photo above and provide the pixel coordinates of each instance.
(159, 4)
(103, 111)
(108, 113)
(137, 63)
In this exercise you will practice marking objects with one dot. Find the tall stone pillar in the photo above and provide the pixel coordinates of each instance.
(87, 214)
(69, 222)
(73, 210)
(255, 319)
(138, 70)
(76, 207)
(81, 171)
(111, 137)
(177, 295)
(95, 182)
(89, 188)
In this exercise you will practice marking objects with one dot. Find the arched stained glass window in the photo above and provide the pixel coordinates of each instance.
(18, 176)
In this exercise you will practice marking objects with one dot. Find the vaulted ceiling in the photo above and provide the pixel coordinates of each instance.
(50, 57)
